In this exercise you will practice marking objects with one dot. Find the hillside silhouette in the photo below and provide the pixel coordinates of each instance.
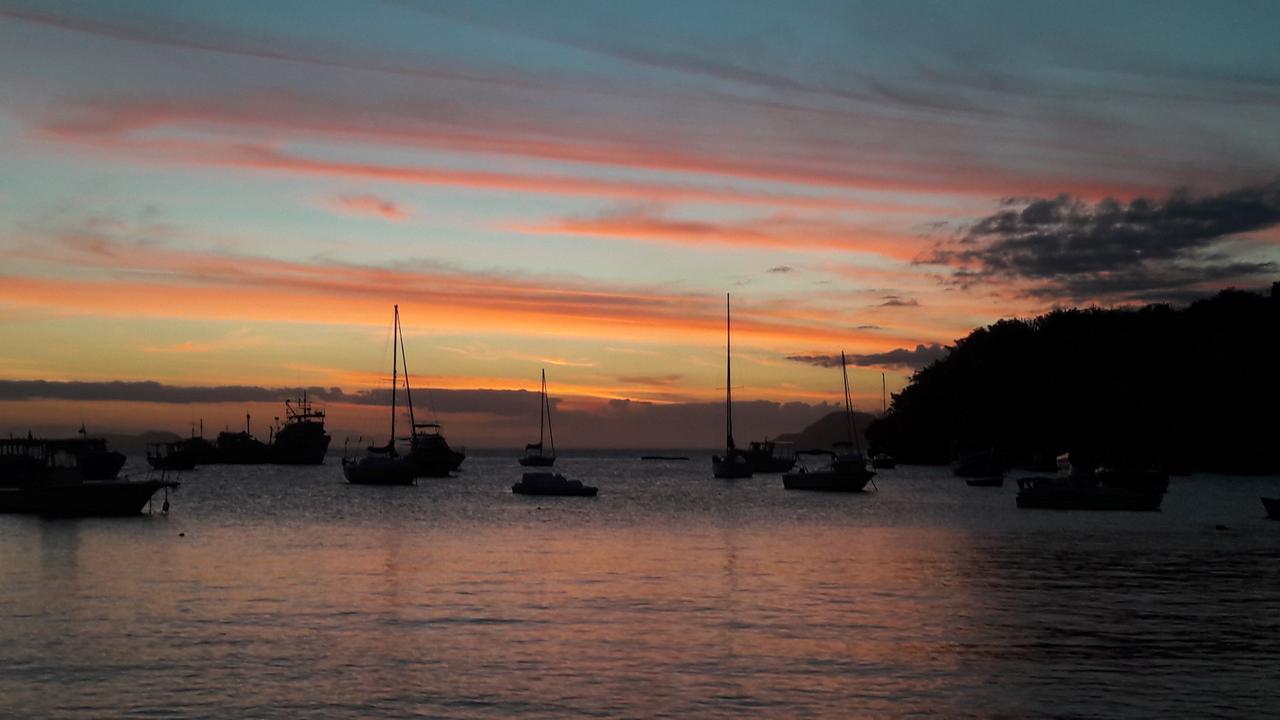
(826, 431)
(1186, 389)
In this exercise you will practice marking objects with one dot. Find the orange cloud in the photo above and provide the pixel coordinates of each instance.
(169, 283)
(784, 232)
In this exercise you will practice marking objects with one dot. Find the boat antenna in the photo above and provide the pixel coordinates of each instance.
(728, 377)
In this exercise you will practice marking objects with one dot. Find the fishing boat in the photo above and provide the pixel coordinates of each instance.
(768, 456)
(549, 483)
(733, 464)
(430, 452)
(302, 439)
(203, 450)
(384, 464)
(51, 477)
(845, 468)
(174, 455)
(242, 448)
(1272, 506)
(534, 454)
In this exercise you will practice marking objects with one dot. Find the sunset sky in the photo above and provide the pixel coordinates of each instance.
(201, 195)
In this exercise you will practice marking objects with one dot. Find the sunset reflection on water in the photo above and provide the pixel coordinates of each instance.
(296, 595)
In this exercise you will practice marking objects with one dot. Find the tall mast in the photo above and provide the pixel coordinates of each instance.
(395, 380)
(884, 397)
(542, 409)
(728, 377)
(408, 392)
(546, 402)
(848, 406)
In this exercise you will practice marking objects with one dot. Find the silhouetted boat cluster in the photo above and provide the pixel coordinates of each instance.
(80, 475)
(428, 455)
(75, 476)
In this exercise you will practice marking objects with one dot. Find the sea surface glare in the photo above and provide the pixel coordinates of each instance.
(277, 592)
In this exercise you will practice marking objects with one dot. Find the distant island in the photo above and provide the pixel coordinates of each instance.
(828, 430)
(1186, 389)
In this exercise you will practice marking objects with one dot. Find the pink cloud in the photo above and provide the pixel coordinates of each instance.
(369, 205)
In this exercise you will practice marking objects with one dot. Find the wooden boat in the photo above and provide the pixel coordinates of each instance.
(733, 464)
(549, 483)
(846, 468)
(384, 465)
(534, 454)
(1272, 506)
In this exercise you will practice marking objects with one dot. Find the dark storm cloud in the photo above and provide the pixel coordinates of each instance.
(1144, 249)
(907, 358)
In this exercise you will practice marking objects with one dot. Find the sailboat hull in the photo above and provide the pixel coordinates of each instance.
(734, 468)
(827, 481)
(378, 471)
(538, 460)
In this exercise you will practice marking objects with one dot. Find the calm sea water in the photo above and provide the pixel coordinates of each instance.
(285, 593)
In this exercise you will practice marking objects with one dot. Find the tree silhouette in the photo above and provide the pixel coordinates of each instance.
(1195, 388)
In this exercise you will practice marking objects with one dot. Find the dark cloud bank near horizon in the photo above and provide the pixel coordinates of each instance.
(904, 358)
(1144, 250)
(511, 415)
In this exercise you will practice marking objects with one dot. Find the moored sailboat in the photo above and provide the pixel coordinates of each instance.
(733, 464)
(883, 460)
(534, 453)
(384, 465)
(846, 467)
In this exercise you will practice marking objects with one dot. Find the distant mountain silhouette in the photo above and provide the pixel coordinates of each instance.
(1195, 388)
(827, 431)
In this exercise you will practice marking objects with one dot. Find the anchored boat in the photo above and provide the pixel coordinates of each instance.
(845, 469)
(58, 477)
(534, 453)
(734, 464)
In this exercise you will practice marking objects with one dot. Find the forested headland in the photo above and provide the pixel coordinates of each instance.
(1194, 388)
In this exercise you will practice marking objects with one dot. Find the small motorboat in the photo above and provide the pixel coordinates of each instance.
(1273, 507)
(883, 461)
(1083, 493)
(549, 483)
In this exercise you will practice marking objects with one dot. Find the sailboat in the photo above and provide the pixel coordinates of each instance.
(384, 465)
(845, 471)
(534, 456)
(883, 460)
(733, 464)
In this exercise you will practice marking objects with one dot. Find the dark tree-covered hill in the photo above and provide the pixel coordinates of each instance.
(1194, 388)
